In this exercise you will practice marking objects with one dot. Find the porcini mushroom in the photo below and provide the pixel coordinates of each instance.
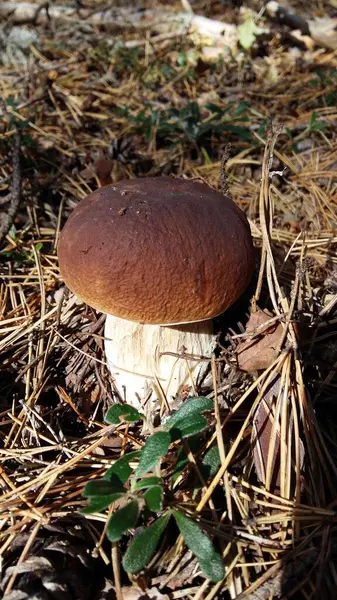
(161, 257)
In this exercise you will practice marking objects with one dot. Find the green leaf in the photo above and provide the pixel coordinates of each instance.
(154, 498)
(212, 567)
(209, 466)
(154, 448)
(182, 462)
(210, 463)
(122, 412)
(206, 156)
(98, 503)
(247, 33)
(210, 561)
(315, 124)
(215, 108)
(123, 519)
(240, 109)
(182, 59)
(195, 111)
(100, 487)
(243, 133)
(146, 482)
(141, 549)
(183, 429)
(120, 471)
(191, 408)
(11, 102)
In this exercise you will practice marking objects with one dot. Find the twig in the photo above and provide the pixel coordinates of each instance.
(284, 16)
(223, 178)
(160, 21)
(116, 570)
(267, 262)
(323, 32)
(13, 198)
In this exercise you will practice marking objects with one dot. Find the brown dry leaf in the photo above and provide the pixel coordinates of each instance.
(260, 350)
(262, 431)
(101, 168)
(263, 442)
(185, 576)
(323, 31)
(112, 442)
(45, 144)
(208, 98)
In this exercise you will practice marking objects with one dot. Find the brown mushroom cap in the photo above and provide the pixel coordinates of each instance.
(157, 250)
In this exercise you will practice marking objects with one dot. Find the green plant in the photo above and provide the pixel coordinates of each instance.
(324, 78)
(187, 124)
(315, 124)
(19, 254)
(248, 30)
(136, 481)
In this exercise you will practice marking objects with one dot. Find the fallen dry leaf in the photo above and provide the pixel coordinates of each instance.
(265, 442)
(262, 430)
(101, 168)
(261, 347)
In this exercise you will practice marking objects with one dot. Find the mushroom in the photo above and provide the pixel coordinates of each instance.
(161, 257)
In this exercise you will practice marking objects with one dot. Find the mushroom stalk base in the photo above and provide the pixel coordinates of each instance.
(135, 358)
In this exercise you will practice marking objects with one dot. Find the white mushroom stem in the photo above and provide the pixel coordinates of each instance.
(137, 361)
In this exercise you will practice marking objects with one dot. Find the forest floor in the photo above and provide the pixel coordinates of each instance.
(91, 96)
